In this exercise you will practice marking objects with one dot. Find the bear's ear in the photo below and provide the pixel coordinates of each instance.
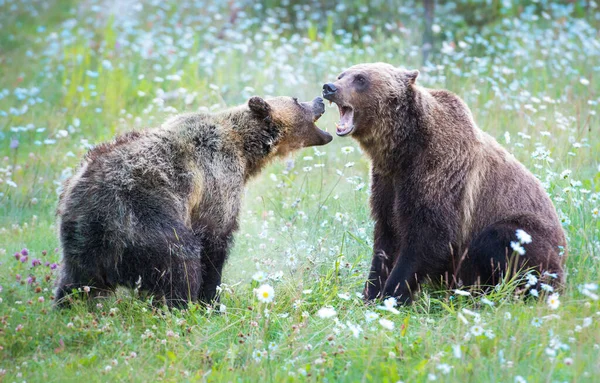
(259, 107)
(411, 76)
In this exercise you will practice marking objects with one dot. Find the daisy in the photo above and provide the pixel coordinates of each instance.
(326, 312)
(476, 330)
(347, 149)
(386, 323)
(259, 276)
(389, 305)
(517, 248)
(523, 236)
(265, 293)
(370, 316)
(536, 322)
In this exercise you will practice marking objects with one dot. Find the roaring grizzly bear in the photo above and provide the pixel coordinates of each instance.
(446, 198)
(157, 208)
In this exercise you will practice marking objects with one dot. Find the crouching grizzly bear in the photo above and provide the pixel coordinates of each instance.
(446, 198)
(157, 208)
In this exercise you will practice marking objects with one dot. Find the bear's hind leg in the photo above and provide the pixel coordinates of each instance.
(490, 256)
(74, 278)
(168, 266)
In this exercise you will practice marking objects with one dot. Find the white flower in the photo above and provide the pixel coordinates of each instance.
(461, 292)
(86, 289)
(536, 322)
(534, 292)
(347, 149)
(457, 351)
(326, 312)
(265, 293)
(584, 81)
(355, 329)
(436, 28)
(523, 236)
(553, 301)
(386, 323)
(486, 301)
(259, 276)
(370, 316)
(531, 279)
(344, 296)
(520, 379)
(587, 322)
(516, 246)
(389, 304)
(444, 368)
(476, 330)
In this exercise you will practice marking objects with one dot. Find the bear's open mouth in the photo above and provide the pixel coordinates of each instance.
(346, 124)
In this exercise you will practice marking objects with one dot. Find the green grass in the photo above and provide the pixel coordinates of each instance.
(305, 223)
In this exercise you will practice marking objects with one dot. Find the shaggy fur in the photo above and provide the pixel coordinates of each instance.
(158, 208)
(446, 197)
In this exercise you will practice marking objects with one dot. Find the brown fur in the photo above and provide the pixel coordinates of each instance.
(160, 207)
(446, 197)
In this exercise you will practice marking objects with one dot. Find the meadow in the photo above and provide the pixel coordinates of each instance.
(74, 74)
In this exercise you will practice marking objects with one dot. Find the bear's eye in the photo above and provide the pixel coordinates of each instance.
(359, 80)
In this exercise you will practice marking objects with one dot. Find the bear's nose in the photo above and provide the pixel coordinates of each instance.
(329, 89)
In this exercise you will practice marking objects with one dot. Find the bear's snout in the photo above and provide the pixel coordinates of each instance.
(318, 107)
(328, 90)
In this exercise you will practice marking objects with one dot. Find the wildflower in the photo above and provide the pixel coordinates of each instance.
(347, 149)
(41, 299)
(523, 236)
(520, 379)
(356, 330)
(486, 301)
(344, 296)
(259, 276)
(107, 368)
(386, 323)
(534, 292)
(265, 293)
(389, 305)
(596, 213)
(461, 292)
(568, 361)
(507, 316)
(587, 322)
(370, 316)
(547, 287)
(326, 312)
(456, 351)
(531, 279)
(584, 81)
(536, 322)
(476, 330)
(444, 368)
(86, 289)
(36, 262)
(517, 248)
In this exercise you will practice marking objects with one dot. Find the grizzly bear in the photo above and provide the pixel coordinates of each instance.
(157, 208)
(446, 198)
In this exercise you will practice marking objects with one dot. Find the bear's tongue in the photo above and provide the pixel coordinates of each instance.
(346, 124)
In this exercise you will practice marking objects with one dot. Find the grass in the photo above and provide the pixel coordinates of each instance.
(89, 73)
